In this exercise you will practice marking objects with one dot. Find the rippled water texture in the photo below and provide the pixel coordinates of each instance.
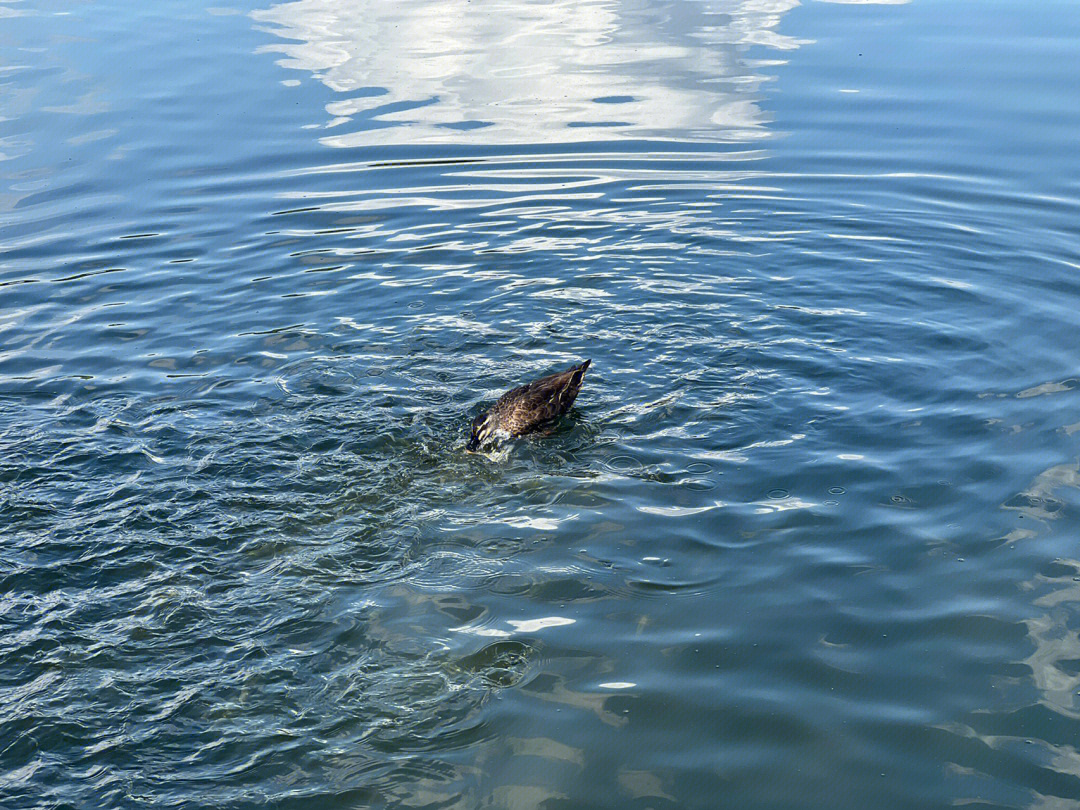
(808, 538)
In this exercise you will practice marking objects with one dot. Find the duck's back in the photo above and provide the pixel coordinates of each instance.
(529, 406)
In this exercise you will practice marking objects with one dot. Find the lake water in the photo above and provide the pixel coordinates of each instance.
(809, 539)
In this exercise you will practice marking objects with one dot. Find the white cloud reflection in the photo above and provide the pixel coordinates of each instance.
(456, 71)
(868, 2)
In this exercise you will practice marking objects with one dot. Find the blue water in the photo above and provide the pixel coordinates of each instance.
(807, 540)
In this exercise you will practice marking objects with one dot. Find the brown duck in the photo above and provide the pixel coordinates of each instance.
(528, 407)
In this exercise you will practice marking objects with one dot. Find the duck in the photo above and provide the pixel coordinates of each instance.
(528, 407)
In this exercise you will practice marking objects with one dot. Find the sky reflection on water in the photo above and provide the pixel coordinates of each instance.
(430, 71)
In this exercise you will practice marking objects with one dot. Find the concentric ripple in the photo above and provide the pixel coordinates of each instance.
(806, 540)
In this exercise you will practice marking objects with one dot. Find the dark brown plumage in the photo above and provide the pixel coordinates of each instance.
(529, 407)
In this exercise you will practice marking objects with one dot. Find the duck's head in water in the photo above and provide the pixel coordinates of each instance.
(482, 428)
(528, 407)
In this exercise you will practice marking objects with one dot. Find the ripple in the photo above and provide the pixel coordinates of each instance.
(624, 464)
(501, 665)
(245, 556)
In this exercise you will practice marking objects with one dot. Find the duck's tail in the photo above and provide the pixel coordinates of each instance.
(579, 373)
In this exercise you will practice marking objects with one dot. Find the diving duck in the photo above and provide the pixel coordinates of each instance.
(528, 407)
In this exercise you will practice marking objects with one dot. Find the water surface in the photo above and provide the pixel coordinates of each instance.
(808, 539)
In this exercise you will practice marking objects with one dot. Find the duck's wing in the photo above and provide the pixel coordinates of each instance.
(544, 399)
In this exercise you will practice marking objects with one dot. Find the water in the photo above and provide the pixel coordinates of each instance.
(808, 539)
